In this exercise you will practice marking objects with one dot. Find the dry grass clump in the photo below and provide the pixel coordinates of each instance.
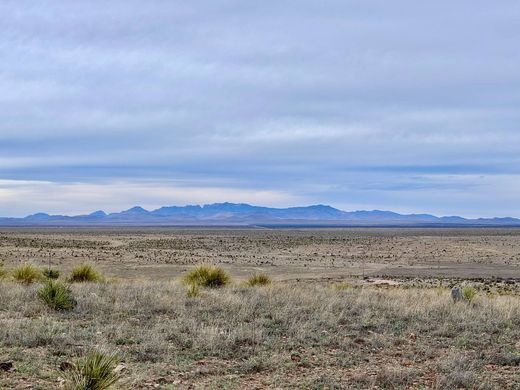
(207, 276)
(95, 371)
(57, 296)
(3, 272)
(258, 280)
(84, 273)
(27, 274)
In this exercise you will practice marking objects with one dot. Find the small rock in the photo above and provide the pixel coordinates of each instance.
(295, 357)
(120, 368)
(456, 294)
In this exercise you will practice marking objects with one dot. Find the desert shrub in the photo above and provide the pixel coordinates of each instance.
(27, 273)
(193, 290)
(469, 293)
(50, 273)
(84, 273)
(258, 280)
(95, 371)
(57, 296)
(207, 276)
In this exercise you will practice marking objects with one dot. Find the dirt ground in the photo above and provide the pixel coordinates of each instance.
(284, 254)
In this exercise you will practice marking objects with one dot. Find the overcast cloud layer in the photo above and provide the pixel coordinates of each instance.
(404, 105)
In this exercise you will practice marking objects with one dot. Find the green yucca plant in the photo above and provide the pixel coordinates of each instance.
(84, 273)
(27, 273)
(469, 293)
(95, 371)
(207, 276)
(258, 280)
(57, 296)
(50, 273)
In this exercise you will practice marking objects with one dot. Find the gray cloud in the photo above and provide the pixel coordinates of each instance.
(355, 103)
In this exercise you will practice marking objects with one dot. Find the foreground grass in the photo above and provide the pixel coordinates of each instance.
(280, 336)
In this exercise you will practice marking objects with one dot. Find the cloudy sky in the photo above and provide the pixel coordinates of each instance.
(405, 105)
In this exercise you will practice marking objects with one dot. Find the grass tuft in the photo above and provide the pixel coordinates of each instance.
(57, 296)
(50, 273)
(27, 274)
(96, 371)
(258, 280)
(84, 273)
(3, 272)
(193, 290)
(469, 293)
(207, 276)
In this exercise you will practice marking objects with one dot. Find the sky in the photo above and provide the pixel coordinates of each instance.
(401, 105)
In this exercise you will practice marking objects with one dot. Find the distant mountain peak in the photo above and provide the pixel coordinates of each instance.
(99, 213)
(136, 210)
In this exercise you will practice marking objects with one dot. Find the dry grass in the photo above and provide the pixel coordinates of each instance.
(297, 336)
(27, 274)
(258, 280)
(84, 273)
(207, 276)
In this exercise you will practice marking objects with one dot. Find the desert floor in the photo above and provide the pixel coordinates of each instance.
(347, 309)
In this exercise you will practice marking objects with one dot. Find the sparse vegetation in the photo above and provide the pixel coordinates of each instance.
(3, 272)
(258, 280)
(311, 330)
(192, 290)
(469, 293)
(50, 273)
(57, 296)
(27, 274)
(207, 276)
(95, 371)
(84, 273)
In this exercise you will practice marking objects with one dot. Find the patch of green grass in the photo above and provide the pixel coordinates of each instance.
(50, 273)
(27, 274)
(84, 273)
(258, 280)
(207, 276)
(57, 296)
(95, 371)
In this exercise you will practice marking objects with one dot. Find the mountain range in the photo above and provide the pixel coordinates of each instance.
(240, 214)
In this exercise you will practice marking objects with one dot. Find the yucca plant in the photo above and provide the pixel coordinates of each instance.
(50, 273)
(95, 371)
(57, 296)
(258, 280)
(84, 273)
(469, 293)
(27, 274)
(207, 276)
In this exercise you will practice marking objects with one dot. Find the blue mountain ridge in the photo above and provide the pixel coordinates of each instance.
(241, 214)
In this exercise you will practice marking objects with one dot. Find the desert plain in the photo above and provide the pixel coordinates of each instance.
(347, 308)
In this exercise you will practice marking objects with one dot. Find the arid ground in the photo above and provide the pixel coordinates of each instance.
(319, 325)
(285, 254)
